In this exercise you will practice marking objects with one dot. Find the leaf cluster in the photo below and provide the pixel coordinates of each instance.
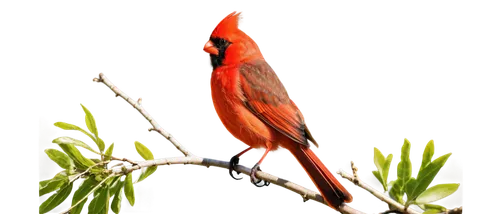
(415, 189)
(98, 180)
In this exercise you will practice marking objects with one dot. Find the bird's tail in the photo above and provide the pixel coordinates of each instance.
(333, 192)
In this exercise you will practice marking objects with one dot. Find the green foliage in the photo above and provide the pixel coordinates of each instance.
(70, 148)
(404, 166)
(60, 158)
(98, 180)
(100, 203)
(416, 189)
(116, 191)
(129, 189)
(69, 126)
(427, 156)
(147, 155)
(426, 176)
(80, 194)
(57, 198)
(144, 151)
(431, 211)
(146, 173)
(436, 192)
(53, 184)
(109, 152)
(90, 122)
(432, 208)
(383, 165)
(396, 191)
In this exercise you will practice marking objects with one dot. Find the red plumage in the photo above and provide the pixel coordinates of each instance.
(254, 106)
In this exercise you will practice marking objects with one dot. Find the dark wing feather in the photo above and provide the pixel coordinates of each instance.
(265, 96)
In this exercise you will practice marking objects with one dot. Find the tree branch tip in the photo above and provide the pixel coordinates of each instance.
(97, 78)
(151, 129)
(140, 99)
(353, 168)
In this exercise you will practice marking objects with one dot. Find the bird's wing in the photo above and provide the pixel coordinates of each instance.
(266, 97)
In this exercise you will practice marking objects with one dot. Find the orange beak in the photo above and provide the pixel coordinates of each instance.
(210, 48)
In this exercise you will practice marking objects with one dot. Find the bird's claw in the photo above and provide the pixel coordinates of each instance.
(253, 178)
(232, 164)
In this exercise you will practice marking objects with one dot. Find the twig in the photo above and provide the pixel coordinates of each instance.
(457, 210)
(376, 193)
(124, 160)
(87, 170)
(195, 160)
(138, 106)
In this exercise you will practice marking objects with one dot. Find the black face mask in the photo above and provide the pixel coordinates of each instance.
(221, 45)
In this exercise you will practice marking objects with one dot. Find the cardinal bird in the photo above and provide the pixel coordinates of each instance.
(254, 106)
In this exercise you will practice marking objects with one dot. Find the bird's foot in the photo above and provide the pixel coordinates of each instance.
(232, 163)
(256, 181)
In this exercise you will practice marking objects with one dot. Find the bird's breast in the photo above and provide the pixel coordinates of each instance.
(229, 105)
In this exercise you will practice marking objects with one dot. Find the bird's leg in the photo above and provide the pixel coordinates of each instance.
(234, 161)
(253, 178)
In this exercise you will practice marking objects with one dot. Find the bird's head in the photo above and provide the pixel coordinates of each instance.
(229, 45)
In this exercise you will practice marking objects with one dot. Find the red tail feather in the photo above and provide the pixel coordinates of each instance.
(333, 190)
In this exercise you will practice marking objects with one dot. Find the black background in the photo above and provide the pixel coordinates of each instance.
(363, 75)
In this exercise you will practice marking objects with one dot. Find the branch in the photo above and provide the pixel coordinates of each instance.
(355, 180)
(138, 106)
(457, 210)
(305, 193)
(192, 159)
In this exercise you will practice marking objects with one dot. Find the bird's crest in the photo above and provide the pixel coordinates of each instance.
(227, 26)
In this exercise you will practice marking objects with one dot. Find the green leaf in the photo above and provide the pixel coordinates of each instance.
(396, 192)
(129, 189)
(84, 189)
(404, 167)
(147, 172)
(100, 144)
(75, 141)
(109, 152)
(432, 211)
(89, 120)
(427, 156)
(426, 176)
(68, 126)
(80, 208)
(378, 161)
(143, 151)
(378, 175)
(390, 156)
(436, 192)
(80, 161)
(117, 200)
(389, 163)
(59, 180)
(60, 158)
(443, 159)
(370, 179)
(433, 207)
(54, 200)
(100, 203)
(410, 185)
(115, 184)
(106, 206)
